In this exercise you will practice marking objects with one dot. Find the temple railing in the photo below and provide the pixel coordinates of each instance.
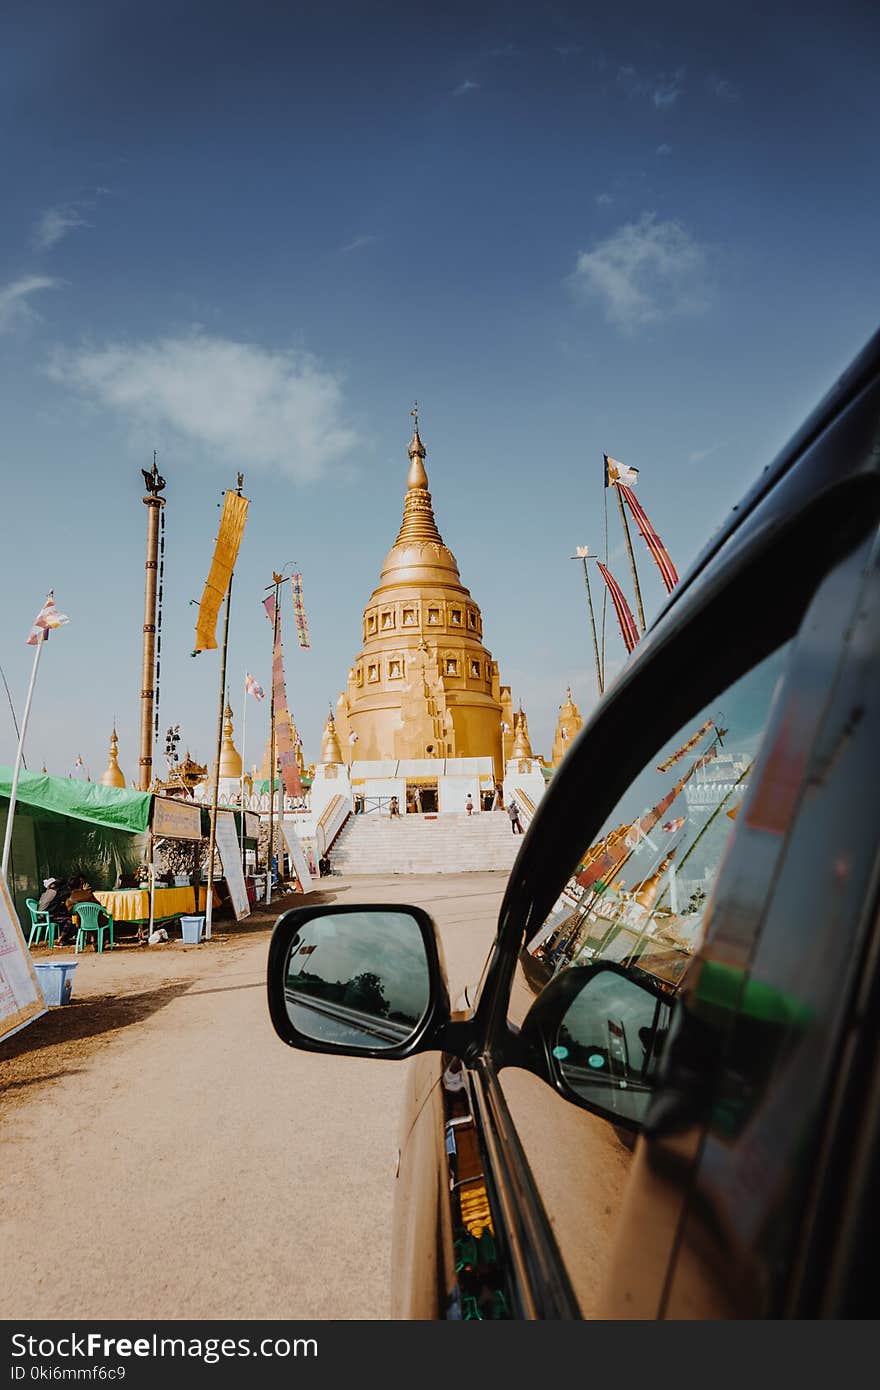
(526, 806)
(332, 819)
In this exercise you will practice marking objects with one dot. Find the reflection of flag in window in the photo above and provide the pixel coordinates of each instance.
(307, 950)
(672, 825)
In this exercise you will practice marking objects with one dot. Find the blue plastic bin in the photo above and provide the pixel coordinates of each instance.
(191, 929)
(56, 980)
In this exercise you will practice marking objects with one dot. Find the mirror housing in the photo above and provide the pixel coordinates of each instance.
(348, 1014)
(597, 1033)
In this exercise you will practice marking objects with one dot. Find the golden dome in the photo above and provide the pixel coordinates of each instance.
(330, 750)
(230, 758)
(113, 776)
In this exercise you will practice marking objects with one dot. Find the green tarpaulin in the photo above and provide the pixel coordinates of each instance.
(115, 808)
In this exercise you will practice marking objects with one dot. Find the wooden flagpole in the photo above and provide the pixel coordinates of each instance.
(278, 580)
(632, 559)
(585, 556)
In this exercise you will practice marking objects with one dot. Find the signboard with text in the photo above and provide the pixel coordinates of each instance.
(176, 820)
(229, 850)
(21, 1000)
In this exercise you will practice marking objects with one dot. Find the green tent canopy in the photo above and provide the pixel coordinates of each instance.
(115, 808)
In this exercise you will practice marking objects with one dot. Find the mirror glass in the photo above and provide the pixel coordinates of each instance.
(360, 979)
(609, 1043)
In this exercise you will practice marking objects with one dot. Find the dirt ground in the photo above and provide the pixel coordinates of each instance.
(164, 1155)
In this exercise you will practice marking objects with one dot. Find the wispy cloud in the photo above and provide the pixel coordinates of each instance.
(722, 88)
(14, 306)
(237, 402)
(55, 224)
(466, 86)
(357, 243)
(663, 89)
(664, 149)
(644, 272)
(604, 200)
(698, 455)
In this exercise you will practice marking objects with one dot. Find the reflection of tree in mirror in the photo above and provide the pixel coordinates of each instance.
(366, 992)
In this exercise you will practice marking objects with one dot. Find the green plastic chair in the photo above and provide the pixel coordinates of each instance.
(40, 922)
(87, 915)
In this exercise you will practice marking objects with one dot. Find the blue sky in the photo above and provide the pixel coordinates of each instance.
(249, 235)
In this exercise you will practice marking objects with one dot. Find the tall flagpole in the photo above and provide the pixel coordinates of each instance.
(13, 790)
(632, 559)
(277, 580)
(243, 766)
(583, 553)
(154, 504)
(215, 792)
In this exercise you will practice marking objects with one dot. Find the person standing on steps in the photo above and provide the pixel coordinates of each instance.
(469, 805)
(513, 812)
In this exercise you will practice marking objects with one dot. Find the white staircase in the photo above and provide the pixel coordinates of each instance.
(453, 843)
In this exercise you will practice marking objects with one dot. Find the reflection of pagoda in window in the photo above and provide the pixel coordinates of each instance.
(711, 784)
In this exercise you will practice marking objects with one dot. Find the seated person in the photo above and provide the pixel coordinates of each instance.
(52, 901)
(324, 865)
(82, 893)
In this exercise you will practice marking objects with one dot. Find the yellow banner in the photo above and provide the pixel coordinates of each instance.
(225, 555)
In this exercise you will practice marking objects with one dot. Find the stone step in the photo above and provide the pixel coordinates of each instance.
(453, 843)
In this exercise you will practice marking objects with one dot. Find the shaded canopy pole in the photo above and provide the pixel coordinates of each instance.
(215, 791)
(13, 791)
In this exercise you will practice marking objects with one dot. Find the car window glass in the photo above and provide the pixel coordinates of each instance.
(639, 893)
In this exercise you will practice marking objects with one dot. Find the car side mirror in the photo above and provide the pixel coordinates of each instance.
(364, 981)
(597, 1032)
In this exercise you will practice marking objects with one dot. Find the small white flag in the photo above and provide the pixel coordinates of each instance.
(617, 472)
(47, 618)
(352, 738)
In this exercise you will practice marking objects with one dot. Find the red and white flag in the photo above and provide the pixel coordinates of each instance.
(617, 472)
(252, 688)
(659, 553)
(628, 629)
(47, 619)
(670, 826)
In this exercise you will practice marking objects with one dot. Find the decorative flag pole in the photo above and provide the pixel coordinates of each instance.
(231, 509)
(154, 504)
(250, 688)
(616, 472)
(218, 586)
(582, 552)
(47, 619)
(277, 581)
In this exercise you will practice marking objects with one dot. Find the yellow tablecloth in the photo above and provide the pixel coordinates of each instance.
(133, 904)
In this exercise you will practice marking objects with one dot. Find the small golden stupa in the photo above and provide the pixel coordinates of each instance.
(112, 776)
(423, 684)
(568, 726)
(522, 747)
(230, 758)
(646, 892)
(330, 749)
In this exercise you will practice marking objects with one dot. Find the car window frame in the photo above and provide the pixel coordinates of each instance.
(791, 537)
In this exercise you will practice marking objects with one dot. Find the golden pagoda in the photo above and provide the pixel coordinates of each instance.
(230, 758)
(568, 726)
(113, 776)
(423, 685)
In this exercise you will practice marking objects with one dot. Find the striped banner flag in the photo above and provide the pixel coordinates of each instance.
(628, 629)
(685, 747)
(660, 554)
(299, 610)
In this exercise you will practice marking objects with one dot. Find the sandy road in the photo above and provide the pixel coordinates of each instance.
(164, 1155)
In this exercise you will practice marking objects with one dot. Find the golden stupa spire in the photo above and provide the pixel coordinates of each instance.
(522, 748)
(330, 749)
(230, 758)
(113, 776)
(418, 523)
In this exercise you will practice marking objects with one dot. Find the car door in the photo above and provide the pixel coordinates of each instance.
(647, 807)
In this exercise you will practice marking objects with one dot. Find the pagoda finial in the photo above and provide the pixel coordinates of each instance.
(418, 478)
(113, 776)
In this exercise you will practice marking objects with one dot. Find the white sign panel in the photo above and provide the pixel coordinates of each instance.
(21, 1000)
(230, 857)
(298, 859)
